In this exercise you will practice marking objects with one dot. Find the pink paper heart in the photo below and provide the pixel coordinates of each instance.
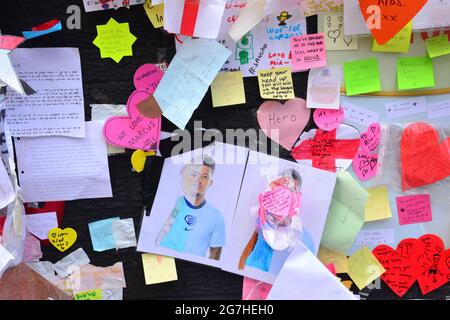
(328, 119)
(283, 123)
(365, 165)
(147, 77)
(371, 138)
(135, 131)
(277, 201)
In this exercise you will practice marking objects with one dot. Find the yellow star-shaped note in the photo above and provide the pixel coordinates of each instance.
(114, 40)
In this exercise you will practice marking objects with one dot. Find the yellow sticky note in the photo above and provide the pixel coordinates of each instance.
(62, 239)
(377, 207)
(333, 28)
(364, 268)
(399, 43)
(155, 13)
(327, 256)
(95, 294)
(114, 40)
(438, 46)
(227, 89)
(276, 84)
(158, 269)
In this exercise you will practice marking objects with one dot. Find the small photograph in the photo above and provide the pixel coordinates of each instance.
(277, 208)
(194, 207)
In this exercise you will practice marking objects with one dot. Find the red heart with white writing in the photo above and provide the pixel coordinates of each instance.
(283, 123)
(401, 264)
(423, 159)
(385, 18)
(135, 131)
(370, 139)
(433, 273)
(365, 165)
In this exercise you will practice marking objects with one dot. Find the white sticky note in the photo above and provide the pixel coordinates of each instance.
(324, 87)
(359, 114)
(40, 224)
(439, 110)
(406, 107)
(373, 237)
(123, 233)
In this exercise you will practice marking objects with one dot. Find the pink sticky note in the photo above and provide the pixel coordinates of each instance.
(332, 268)
(277, 201)
(414, 209)
(328, 119)
(365, 165)
(10, 42)
(136, 131)
(308, 51)
(371, 138)
(147, 77)
(32, 249)
(254, 289)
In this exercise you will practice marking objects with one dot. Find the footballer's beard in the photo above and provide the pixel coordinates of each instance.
(191, 193)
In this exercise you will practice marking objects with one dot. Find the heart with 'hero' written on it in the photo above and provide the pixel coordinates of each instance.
(423, 159)
(385, 18)
(283, 123)
(401, 265)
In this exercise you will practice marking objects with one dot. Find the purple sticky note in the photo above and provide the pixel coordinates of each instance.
(414, 209)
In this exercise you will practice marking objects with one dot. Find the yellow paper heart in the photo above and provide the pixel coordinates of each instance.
(62, 239)
(138, 159)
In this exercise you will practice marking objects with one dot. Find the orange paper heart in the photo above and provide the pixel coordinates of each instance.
(385, 18)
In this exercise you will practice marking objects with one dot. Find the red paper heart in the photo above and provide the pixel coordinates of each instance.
(401, 264)
(433, 271)
(423, 159)
(385, 18)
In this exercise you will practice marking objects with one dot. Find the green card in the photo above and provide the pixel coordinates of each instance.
(438, 46)
(345, 215)
(362, 76)
(415, 73)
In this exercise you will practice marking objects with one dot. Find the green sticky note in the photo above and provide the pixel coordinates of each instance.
(399, 43)
(345, 215)
(415, 73)
(438, 46)
(95, 294)
(362, 76)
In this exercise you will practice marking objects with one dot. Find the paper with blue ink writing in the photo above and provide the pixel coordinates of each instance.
(267, 45)
(188, 78)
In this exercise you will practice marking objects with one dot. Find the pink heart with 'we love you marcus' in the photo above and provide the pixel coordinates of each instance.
(136, 131)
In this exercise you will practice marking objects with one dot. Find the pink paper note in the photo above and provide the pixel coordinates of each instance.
(254, 289)
(414, 209)
(32, 249)
(365, 165)
(277, 201)
(371, 138)
(147, 77)
(328, 119)
(308, 51)
(10, 42)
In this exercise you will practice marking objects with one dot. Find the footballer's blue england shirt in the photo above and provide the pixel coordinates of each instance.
(195, 229)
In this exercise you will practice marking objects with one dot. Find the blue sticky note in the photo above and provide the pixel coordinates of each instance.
(33, 34)
(186, 81)
(102, 234)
